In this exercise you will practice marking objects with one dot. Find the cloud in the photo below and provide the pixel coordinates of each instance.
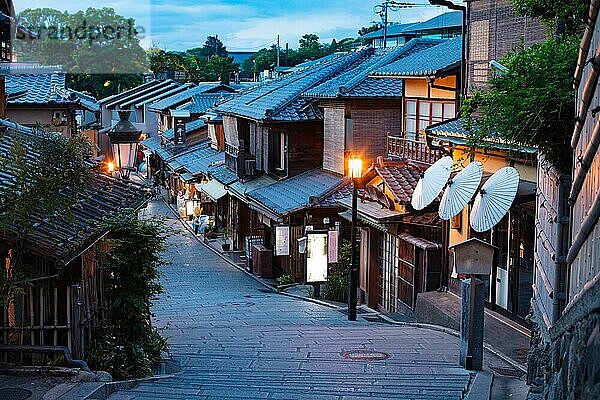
(241, 24)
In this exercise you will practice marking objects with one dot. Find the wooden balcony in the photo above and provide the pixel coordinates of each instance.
(413, 150)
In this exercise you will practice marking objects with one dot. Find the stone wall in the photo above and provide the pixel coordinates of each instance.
(564, 362)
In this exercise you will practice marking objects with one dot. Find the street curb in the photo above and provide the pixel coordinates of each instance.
(111, 387)
(481, 386)
(497, 353)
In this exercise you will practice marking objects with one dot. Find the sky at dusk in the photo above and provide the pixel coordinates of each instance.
(243, 25)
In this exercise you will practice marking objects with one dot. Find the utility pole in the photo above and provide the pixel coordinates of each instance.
(277, 51)
(389, 5)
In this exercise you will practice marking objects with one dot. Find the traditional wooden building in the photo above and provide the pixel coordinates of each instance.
(274, 145)
(38, 95)
(63, 300)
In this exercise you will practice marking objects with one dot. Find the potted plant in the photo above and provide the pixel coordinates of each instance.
(226, 246)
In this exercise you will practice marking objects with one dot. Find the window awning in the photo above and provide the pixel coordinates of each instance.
(213, 189)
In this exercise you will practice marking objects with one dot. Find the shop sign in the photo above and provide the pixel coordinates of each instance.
(332, 246)
(282, 240)
(316, 257)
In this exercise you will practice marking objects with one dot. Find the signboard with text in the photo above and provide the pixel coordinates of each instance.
(316, 257)
(332, 246)
(282, 240)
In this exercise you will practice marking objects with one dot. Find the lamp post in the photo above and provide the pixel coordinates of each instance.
(124, 138)
(355, 171)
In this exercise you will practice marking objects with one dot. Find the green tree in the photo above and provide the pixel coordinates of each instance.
(42, 175)
(221, 68)
(126, 344)
(564, 16)
(96, 41)
(531, 103)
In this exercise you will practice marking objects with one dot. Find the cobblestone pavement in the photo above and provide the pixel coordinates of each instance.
(235, 340)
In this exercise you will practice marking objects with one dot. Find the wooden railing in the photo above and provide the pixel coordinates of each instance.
(413, 150)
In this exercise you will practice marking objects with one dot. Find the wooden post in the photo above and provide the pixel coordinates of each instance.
(42, 316)
(31, 317)
(56, 316)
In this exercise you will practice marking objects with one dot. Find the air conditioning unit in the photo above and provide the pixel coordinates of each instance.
(250, 167)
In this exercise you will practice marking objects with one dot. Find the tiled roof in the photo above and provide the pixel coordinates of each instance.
(222, 174)
(166, 90)
(453, 131)
(197, 159)
(39, 89)
(201, 103)
(64, 237)
(186, 96)
(431, 61)
(143, 91)
(296, 193)
(400, 178)
(175, 89)
(392, 30)
(355, 82)
(129, 92)
(189, 127)
(87, 101)
(279, 99)
(154, 144)
(450, 19)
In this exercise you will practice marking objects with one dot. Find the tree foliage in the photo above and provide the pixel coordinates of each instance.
(208, 63)
(96, 42)
(46, 172)
(531, 103)
(564, 16)
(336, 287)
(126, 344)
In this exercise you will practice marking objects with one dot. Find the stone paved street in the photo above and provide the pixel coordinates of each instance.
(234, 339)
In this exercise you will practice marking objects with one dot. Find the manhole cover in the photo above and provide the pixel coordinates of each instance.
(15, 394)
(237, 304)
(365, 355)
(508, 371)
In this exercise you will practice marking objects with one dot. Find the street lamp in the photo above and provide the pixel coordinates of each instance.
(355, 172)
(124, 138)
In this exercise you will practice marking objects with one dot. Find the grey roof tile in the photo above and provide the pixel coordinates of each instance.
(201, 103)
(38, 89)
(430, 61)
(222, 174)
(189, 127)
(197, 159)
(278, 100)
(64, 237)
(296, 193)
(355, 82)
(187, 95)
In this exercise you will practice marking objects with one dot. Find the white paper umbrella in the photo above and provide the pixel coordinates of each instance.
(460, 189)
(431, 183)
(494, 199)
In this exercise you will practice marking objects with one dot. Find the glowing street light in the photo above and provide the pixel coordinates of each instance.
(355, 172)
(124, 137)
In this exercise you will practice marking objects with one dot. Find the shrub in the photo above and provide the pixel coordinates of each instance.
(126, 344)
(336, 287)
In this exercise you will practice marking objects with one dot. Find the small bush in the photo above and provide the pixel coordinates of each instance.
(125, 343)
(336, 287)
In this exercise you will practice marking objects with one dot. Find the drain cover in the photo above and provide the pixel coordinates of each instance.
(15, 394)
(365, 355)
(508, 371)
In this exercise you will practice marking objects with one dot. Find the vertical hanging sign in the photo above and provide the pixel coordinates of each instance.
(282, 240)
(316, 257)
(332, 246)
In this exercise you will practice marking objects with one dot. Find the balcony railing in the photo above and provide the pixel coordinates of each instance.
(413, 150)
